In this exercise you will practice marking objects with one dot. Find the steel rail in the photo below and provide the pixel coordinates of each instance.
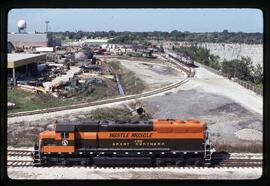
(226, 163)
(241, 164)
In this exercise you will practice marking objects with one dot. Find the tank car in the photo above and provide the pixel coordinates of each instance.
(157, 142)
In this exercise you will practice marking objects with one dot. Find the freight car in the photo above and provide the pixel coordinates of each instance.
(186, 60)
(157, 142)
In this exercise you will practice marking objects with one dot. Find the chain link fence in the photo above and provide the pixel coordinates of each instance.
(249, 86)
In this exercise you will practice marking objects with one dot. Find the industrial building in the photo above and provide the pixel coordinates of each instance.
(33, 40)
(19, 62)
(26, 40)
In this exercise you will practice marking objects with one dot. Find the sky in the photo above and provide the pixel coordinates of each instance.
(138, 20)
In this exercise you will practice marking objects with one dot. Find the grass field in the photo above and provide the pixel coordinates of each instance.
(26, 101)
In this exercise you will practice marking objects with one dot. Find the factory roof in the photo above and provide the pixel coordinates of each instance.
(20, 59)
(28, 37)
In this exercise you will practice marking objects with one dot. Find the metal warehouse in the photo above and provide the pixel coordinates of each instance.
(17, 60)
(30, 40)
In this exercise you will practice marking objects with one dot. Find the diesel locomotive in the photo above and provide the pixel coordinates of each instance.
(157, 142)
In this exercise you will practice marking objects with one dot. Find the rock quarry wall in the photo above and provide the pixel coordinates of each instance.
(228, 51)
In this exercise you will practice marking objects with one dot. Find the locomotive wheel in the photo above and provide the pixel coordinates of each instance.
(45, 162)
(160, 163)
(84, 163)
(65, 163)
(190, 161)
(180, 163)
(198, 162)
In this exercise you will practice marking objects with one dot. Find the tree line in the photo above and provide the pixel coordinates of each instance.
(242, 69)
(133, 37)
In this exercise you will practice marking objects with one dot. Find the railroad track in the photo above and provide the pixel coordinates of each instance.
(24, 159)
(190, 73)
(20, 163)
(241, 163)
(237, 164)
(19, 153)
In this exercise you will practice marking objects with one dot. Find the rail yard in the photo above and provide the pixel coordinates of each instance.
(118, 111)
(20, 161)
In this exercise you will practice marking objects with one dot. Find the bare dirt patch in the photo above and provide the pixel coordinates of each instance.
(155, 75)
(249, 134)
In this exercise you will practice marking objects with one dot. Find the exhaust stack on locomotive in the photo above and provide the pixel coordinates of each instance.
(154, 142)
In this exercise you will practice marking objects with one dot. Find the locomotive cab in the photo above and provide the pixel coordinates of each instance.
(54, 142)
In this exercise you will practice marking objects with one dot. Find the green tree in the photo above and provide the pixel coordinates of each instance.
(258, 74)
(244, 69)
(229, 68)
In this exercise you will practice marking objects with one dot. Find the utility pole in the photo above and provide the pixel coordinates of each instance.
(47, 23)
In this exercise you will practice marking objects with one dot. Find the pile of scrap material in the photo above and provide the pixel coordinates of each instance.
(100, 51)
(72, 83)
(83, 54)
(79, 87)
(51, 72)
(71, 56)
(62, 57)
(87, 68)
(86, 75)
(61, 80)
(35, 84)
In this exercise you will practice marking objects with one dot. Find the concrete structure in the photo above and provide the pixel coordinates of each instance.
(45, 49)
(87, 42)
(96, 41)
(33, 40)
(16, 60)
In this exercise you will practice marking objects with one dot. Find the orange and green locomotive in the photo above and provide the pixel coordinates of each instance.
(153, 142)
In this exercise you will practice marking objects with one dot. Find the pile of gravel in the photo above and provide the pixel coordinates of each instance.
(249, 134)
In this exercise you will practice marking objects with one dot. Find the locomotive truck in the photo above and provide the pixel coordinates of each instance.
(157, 142)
